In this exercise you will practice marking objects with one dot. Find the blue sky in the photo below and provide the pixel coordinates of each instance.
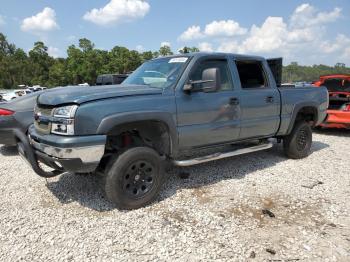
(310, 32)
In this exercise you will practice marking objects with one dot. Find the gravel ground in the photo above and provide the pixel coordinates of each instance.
(257, 207)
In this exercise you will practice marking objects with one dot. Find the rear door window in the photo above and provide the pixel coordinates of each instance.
(251, 74)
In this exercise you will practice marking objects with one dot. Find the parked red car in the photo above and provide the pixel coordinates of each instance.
(339, 100)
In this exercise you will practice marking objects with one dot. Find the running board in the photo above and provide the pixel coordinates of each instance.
(217, 156)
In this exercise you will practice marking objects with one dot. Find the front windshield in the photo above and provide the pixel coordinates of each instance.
(159, 73)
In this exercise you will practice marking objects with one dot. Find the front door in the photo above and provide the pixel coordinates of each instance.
(208, 118)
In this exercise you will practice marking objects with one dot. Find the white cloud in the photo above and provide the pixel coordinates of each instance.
(205, 47)
(117, 11)
(346, 54)
(53, 51)
(193, 32)
(2, 20)
(270, 36)
(341, 43)
(308, 15)
(140, 48)
(165, 44)
(41, 22)
(224, 28)
(303, 37)
(230, 47)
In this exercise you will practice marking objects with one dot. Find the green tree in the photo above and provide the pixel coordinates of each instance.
(145, 56)
(84, 62)
(186, 50)
(86, 45)
(165, 50)
(40, 62)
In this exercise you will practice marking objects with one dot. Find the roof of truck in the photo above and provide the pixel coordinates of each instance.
(200, 54)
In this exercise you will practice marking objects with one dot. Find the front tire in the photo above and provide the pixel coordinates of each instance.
(298, 143)
(134, 178)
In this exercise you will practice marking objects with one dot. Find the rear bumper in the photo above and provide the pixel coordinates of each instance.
(64, 154)
(337, 119)
(7, 137)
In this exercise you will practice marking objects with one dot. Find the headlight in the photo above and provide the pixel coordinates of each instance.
(63, 120)
(65, 111)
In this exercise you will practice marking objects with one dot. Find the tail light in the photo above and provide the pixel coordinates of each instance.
(345, 107)
(6, 112)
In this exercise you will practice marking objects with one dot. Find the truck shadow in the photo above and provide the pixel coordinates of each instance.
(8, 150)
(333, 132)
(88, 190)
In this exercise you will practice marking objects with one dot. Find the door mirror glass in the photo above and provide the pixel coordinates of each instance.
(210, 81)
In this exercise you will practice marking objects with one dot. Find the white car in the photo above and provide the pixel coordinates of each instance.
(9, 96)
(14, 94)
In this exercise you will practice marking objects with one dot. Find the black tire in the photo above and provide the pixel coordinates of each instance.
(134, 178)
(298, 143)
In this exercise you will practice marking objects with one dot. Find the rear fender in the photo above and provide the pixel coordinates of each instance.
(298, 108)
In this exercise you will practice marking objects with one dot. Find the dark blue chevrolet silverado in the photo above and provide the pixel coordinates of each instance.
(185, 109)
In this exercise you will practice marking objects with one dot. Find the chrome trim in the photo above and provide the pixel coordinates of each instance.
(87, 154)
(217, 156)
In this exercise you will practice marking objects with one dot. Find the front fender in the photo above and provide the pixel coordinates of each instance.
(110, 122)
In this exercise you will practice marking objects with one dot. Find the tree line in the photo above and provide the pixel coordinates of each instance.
(85, 62)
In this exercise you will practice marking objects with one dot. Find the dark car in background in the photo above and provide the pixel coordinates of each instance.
(110, 79)
(16, 114)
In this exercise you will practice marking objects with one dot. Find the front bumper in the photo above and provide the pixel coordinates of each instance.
(77, 154)
(337, 119)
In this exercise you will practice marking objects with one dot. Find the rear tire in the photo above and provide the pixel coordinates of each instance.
(298, 143)
(134, 178)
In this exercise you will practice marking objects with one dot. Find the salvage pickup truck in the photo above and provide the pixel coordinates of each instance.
(184, 110)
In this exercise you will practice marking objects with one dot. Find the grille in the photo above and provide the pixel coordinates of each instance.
(43, 128)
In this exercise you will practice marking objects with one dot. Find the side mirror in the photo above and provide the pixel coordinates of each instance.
(210, 82)
(211, 76)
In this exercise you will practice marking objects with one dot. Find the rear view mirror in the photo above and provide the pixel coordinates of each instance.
(210, 81)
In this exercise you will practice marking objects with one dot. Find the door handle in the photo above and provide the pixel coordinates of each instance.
(234, 101)
(269, 99)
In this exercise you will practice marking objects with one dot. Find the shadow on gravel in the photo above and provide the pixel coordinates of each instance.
(333, 132)
(8, 150)
(88, 190)
(231, 168)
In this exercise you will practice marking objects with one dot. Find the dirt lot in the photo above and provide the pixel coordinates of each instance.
(257, 207)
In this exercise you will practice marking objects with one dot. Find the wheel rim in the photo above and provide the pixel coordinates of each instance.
(139, 178)
(302, 139)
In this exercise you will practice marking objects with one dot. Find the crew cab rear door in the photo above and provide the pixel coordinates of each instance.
(259, 99)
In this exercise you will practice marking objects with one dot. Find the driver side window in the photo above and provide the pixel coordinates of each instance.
(222, 65)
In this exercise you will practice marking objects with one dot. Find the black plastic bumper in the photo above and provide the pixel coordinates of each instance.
(28, 154)
(63, 154)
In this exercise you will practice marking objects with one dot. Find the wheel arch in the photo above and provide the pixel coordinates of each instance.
(151, 124)
(305, 111)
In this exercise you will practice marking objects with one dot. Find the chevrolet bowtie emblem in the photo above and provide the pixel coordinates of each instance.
(37, 116)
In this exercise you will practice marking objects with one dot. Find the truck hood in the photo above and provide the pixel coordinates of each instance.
(79, 95)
